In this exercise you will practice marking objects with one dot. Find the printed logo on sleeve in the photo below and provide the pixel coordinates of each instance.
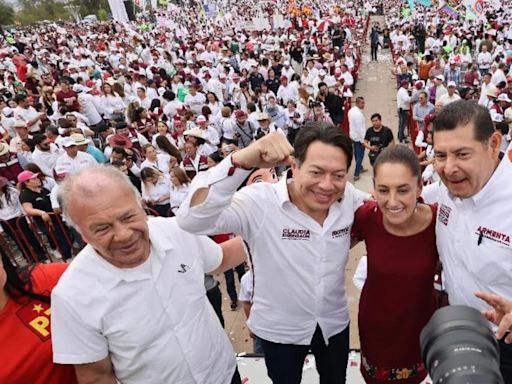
(295, 234)
(444, 214)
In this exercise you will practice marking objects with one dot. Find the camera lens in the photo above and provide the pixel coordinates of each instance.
(459, 347)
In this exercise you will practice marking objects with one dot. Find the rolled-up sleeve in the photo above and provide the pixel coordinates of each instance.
(224, 210)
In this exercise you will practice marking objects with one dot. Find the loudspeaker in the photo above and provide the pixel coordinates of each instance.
(128, 5)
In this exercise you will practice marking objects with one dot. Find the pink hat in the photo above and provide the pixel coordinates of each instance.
(26, 176)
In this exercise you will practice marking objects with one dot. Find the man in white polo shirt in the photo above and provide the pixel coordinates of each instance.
(73, 160)
(132, 307)
(474, 220)
(298, 232)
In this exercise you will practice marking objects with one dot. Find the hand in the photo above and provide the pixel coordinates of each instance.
(374, 148)
(46, 217)
(270, 151)
(501, 314)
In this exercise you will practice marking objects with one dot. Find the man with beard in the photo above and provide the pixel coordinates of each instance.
(45, 154)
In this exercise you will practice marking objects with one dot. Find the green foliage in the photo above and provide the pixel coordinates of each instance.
(33, 11)
(89, 7)
(102, 15)
(6, 14)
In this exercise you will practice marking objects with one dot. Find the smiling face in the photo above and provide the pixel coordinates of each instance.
(114, 224)
(396, 190)
(320, 180)
(465, 164)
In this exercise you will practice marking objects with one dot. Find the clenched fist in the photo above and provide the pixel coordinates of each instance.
(270, 151)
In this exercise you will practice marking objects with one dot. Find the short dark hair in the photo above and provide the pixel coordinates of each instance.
(38, 138)
(119, 151)
(324, 133)
(322, 84)
(502, 127)
(399, 154)
(376, 115)
(20, 97)
(464, 112)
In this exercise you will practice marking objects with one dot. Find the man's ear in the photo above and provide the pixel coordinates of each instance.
(495, 144)
(294, 165)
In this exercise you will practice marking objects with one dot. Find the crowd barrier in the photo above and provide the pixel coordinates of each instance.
(23, 237)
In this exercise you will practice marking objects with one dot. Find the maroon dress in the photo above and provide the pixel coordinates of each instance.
(397, 298)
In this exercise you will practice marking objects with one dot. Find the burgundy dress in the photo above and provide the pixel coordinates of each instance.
(397, 298)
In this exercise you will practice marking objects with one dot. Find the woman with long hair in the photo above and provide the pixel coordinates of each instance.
(161, 130)
(168, 147)
(143, 122)
(156, 190)
(180, 184)
(25, 329)
(112, 103)
(214, 105)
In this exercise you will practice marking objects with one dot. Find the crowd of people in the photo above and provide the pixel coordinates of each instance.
(236, 129)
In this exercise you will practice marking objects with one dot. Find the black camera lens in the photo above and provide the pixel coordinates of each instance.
(459, 347)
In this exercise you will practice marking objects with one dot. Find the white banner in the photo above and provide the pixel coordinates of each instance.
(118, 10)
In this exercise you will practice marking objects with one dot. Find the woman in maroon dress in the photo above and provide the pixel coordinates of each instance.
(398, 296)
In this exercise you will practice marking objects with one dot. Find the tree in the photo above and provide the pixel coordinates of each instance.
(88, 7)
(33, 11)
(6, 13)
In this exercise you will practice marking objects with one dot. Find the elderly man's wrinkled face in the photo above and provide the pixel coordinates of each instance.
(114, 224)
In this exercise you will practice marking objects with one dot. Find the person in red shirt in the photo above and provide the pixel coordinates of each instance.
(399, 233)
(25, 332)
(67, 97)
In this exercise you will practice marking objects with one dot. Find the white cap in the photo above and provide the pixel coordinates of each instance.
(451, 84)
(503, 97)
(7, 111)
(68, 142)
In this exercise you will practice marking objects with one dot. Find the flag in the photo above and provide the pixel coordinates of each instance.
(425, 3)
(470, 15)
(449, 11)
(411, 4)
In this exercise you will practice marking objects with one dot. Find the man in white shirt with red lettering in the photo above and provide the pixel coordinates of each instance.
(474, 220)
(298, 233)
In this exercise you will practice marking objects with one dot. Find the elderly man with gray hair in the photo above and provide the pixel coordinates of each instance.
(131, 307)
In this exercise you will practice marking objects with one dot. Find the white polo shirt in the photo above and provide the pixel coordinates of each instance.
(474, 238)
(46, 160)
(298, 264)
(81, 161)
(154, 321)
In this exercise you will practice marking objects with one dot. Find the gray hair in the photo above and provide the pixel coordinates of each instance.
(72, 187)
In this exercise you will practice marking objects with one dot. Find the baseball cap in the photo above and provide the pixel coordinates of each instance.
(452, 84)
(7, 111)
(26, 175)
(503, 97)
(200, 119)
(439, 77)
(68, 142)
